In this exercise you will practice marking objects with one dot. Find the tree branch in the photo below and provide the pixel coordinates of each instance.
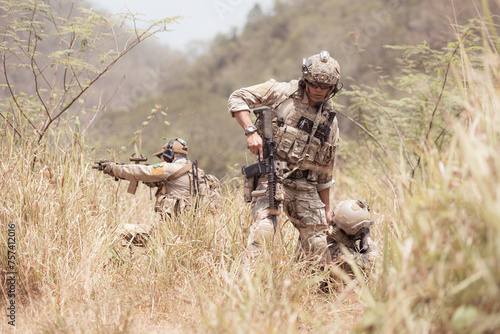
(12, 126)
(373, 138)
(439, 100)
(397, 131)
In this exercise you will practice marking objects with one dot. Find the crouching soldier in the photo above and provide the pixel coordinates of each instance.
(350, 228)
(181, 185)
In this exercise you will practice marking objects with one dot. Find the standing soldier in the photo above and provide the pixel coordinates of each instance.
(305, 136)
(180, 184)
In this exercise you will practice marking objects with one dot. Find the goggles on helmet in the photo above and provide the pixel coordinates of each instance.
(182, 141)
(317, 85)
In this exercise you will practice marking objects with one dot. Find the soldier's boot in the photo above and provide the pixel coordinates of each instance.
(135, 234)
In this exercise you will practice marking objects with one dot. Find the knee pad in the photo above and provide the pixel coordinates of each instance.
(318, 243)
(261, 233)
(313, 240)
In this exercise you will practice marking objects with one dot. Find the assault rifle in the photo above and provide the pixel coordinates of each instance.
(267, 164)
(132, 186)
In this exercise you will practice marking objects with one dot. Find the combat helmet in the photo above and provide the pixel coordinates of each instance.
(176, 145)
(323, 71)
(352, 215)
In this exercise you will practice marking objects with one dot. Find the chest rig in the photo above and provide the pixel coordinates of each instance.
(303, 134)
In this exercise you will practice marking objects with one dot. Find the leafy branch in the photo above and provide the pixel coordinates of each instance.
(64, 52)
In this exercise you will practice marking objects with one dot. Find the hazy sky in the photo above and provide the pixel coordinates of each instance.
(203, 19)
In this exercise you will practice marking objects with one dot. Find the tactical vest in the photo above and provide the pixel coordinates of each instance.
(201, 186)
(304, 138)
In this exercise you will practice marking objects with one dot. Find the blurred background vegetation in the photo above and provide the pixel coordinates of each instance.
(192, 90)
(272, 45)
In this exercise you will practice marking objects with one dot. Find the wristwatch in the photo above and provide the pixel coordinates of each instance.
(250, 129)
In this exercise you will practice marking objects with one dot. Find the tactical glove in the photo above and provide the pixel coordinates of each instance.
(108, 168)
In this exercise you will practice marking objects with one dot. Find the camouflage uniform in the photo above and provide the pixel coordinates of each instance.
(306, 138)
(364, 257)
(174, 191)
(179, 183)
(351, 229)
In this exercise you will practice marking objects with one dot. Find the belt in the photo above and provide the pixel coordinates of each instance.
(299, 174)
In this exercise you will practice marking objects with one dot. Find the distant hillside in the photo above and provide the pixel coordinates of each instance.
(271, 45)
(140, 74)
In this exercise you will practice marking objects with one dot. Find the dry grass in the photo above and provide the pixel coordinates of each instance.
(74, 277)
(439, 235)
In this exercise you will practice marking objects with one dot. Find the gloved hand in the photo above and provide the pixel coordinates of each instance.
(108, 168)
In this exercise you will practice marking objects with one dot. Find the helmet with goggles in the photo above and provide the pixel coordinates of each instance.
(321, 71)
(176, 145)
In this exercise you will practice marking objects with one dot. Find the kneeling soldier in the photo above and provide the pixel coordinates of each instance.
(351, 228)
(181, 184)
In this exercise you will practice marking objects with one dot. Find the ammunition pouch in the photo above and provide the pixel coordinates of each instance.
(299, 174)
(167, 205)
(172, 206)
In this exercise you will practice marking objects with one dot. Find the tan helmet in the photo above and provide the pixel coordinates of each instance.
(176, 145)
(320, 70)
(351, 216)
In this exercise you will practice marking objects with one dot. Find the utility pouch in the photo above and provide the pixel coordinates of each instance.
(248, 187)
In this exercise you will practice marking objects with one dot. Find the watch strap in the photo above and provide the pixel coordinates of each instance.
(250, 129)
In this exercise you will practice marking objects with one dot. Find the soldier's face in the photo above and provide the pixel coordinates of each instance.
(317, 93)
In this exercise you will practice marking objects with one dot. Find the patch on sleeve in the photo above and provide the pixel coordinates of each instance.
(157, 168)
(261, 89)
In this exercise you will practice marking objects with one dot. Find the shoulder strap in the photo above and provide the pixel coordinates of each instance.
(180, 172)
(196, 182)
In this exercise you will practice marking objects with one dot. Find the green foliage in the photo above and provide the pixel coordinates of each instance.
(62, 49)
(272, 45)
(434, 147)
(206, 132)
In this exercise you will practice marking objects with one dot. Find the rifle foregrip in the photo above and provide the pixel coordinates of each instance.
(132, 187)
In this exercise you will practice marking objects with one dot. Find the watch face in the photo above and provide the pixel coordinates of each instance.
(250, 129)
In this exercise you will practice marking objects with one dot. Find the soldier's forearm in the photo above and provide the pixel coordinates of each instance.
(243, 118)
(325, 198)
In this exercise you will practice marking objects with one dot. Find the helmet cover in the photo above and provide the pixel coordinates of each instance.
(321, 69)
(351, 216)
(177, 145)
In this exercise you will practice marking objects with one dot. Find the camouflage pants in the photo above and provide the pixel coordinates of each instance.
(365, 260)
(170, 206)
(304, 208)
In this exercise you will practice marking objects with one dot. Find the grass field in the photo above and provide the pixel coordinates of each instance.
(438, 232)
